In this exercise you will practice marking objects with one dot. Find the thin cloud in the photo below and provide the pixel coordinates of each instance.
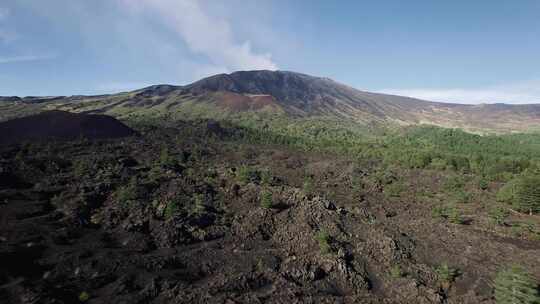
(25, 58)
(205, 34)
(516, 93)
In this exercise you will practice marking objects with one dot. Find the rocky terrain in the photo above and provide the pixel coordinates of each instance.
(196, 213)
(60, 125)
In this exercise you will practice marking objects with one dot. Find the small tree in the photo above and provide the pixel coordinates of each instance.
(266, 178)
(266, 199)
(324, 241)
(515, 286)
(498, 215)
(528, 194)
(308, 186)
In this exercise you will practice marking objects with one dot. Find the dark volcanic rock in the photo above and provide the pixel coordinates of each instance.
(60, 125)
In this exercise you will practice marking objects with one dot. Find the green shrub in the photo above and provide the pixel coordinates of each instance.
(165, 159)
(308, 185)
(171, 209)
(507, 193)
(483, 184)
(448, 212)
(454, 183)
(439, 212)
(515, 285)
(498, 215)
(438, 164)
(396, 272)
(323, 238)
(84, 296)
(394, 189)
(199, 205)
(266, 178)
(127, 192)
(266, 199)
(527, 194)
(461, 197)
(246, 175)
(454, 216)
(82, 167)
(446, 273)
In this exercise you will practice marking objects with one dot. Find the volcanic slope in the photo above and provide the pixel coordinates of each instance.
(288, 95)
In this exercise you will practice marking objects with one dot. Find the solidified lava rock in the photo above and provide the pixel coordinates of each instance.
(61, 125)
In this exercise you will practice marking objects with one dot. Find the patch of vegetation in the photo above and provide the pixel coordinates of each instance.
(84, 296)
(246, 174)
(498, 215)
(166, 160)
(266, 199)
(171, 209)
(309, 185)
(461, 197)
(266, 177)
(449, 212)
(199, 205)
(323, 238)
(396, 272)
(446, 273)
(128, 192)
(527, 194)
(515, 285)
(394, 189)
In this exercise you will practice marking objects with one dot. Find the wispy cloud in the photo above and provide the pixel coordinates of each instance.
(24, 58)
(515, 93)
(205, 34)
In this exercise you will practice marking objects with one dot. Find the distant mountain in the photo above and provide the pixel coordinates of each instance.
(60, 125)
(297, 96)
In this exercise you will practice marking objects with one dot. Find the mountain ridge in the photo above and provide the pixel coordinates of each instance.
(297, 96)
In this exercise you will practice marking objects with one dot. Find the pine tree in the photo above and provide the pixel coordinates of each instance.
(515, 286)
(528, 194)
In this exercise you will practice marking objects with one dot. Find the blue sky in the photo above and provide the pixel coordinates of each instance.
(460, 51)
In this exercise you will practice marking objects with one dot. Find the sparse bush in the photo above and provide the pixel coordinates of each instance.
(527, 194)
(448, 212)
(506, 193)
(515, 285)
(461, 197)
(84, 296)
(166, 160)
(171, 209)
(454, 183)
(324, 241)
(483, 184)
(396, 272)
(246, 174)
(308, 185)
(82, 167)
(394, 189)
(454, 216)
(439, 212)
(199, 205)
(498, 215)
(128, 192)
(266, 178)
(446, 273)
(266, 199)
